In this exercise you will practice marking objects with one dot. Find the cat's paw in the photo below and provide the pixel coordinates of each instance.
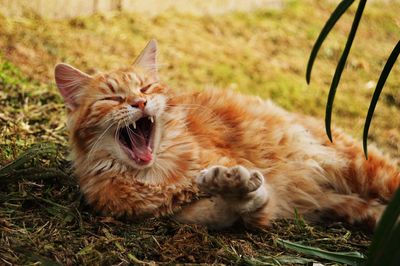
(235, 180)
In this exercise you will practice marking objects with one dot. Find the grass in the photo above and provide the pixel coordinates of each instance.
(42, 216)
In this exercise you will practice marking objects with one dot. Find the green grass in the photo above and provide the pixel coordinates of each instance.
(42, 216)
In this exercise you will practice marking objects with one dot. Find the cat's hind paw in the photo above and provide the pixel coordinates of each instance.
(235, 180)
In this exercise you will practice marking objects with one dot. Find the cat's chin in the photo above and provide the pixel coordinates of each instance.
(140, 165)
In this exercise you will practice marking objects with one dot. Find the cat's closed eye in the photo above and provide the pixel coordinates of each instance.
(113, 98)
(146, 88)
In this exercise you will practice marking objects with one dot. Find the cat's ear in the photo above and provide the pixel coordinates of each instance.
(70, 81)
(147, 59)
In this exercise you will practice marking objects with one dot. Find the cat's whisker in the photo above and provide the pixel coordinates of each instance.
(116, 137)
(116, 133)
(160, 168)
(98, 139)
(108, 119)
(130, 132)
(161, 151)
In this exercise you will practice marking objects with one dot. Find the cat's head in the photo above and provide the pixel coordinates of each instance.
(117, 113)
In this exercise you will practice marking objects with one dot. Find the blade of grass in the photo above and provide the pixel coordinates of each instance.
(379, 86)
(34, 174)
(385, 243)
(340, 67)
(136, 261)
(31, 153)
(330, 23)
(350, 258)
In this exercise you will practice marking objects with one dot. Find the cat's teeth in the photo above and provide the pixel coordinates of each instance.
(134, 125)
(151, 119)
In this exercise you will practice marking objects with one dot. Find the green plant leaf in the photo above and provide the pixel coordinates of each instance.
(275, 260)
(340, 67)
(330, 23)
(379, 86)
(350, 258)
(385, 249)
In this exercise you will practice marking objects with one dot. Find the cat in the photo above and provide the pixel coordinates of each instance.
(215, 157)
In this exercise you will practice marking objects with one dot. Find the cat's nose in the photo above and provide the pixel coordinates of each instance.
(139, 103)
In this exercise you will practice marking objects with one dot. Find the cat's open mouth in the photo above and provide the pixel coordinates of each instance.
(137, 140)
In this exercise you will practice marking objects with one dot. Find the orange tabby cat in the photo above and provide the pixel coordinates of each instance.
(142, 149)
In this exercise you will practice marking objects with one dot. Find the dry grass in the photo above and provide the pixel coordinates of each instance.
(42, 216)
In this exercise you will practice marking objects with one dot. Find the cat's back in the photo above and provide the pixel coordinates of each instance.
(247, 129)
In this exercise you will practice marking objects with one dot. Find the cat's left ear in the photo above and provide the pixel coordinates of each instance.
(147, 59)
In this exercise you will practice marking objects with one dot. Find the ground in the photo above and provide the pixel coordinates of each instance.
(42, 216)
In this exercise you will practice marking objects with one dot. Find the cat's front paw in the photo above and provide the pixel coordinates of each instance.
(235, 180)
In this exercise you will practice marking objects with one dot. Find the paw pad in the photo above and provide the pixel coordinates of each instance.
(234, 180)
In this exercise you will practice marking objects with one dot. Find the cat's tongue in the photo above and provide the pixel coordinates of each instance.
(144, 155)
(141, 150)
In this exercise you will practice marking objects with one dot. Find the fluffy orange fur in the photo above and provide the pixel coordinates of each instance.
(212, 157)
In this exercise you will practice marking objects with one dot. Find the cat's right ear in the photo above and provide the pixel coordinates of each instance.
(70, 81)
(147, 59)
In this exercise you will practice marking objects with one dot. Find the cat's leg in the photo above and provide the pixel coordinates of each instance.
(236, 193)
(353, 208)
(213, 212)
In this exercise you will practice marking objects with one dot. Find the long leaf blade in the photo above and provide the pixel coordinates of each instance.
(340, 67)
(387, 235)
(379, 86)
(350, 258)
(330, 23)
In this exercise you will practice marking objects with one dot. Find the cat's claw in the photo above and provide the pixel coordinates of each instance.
(235, 180)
